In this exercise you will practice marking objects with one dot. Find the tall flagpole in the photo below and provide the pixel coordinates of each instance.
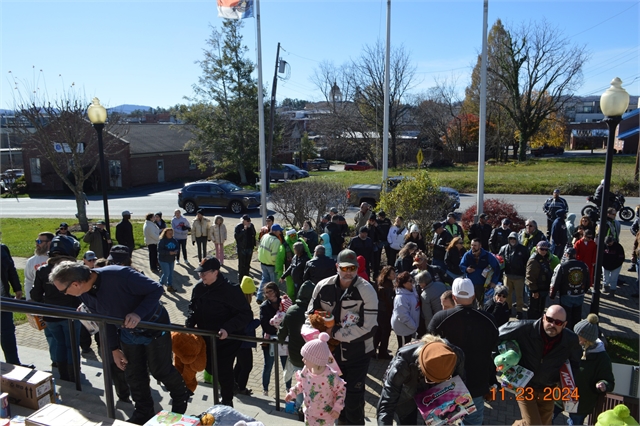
(385, 127)
(263, 155)
(483, 113)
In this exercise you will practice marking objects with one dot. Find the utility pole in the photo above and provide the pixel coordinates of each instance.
(273, 114)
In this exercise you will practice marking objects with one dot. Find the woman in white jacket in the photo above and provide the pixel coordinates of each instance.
(218, 234)
(406, 309)
(395, 238)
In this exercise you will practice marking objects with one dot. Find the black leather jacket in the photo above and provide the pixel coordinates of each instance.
(404, 379)
(546, 370)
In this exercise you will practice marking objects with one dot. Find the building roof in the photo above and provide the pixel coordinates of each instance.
(156, 138)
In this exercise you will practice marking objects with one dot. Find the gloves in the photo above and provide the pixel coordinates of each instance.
(193, 243)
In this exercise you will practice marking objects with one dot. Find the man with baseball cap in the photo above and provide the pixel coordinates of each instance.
(515, 257)
(347, 294)
(89, 259)
(476, 334)
(499, 236)
(64, 230)
(451, 225)
(124, 232)
(99, 239)
(417, 367)
(538, 279)
(219, 305)
(481, 230)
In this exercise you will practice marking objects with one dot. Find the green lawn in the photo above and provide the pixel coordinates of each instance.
(573, 175)
(623, 350)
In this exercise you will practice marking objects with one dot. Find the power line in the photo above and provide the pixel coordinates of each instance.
(608, 19)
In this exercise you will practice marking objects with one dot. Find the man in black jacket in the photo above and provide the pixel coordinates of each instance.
(481, 230)
(124, 232)
(441, 239)
(362, 245)
(10, 280)
(319, 267)
(218, 305)
(570, 280)
(245, 235)
(474, 332)
(545, 344)
(375, 233)
(336, 236)
(515, 257)
(538, 279)
(559, 235)
(499, 236)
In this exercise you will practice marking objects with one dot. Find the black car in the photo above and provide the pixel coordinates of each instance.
(318, 164)
(547, 150)
(217, 194)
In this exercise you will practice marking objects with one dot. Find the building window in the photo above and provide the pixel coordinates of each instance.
(115, 174)
(36, 176)
(192, 165)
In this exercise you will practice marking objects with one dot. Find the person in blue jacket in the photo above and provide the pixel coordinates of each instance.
(473, 265)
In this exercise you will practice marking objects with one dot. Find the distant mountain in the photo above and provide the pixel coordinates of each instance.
(128, 109)
(6, 111)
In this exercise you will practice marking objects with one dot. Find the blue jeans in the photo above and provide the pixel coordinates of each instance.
(62, 336)
(268, 275)
(8, 338)
(268, 366)
(167, 273)
(51, 341)
(476, 417)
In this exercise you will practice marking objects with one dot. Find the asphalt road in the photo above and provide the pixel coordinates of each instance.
(165, 199)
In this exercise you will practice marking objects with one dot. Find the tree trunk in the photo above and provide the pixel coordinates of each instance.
(242, 173)
(522, 155)
(82, 209)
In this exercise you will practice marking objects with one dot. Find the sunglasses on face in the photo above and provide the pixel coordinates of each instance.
(66, 288)
(503, 296)
(348, 268)
(543, 249)
(39, 241)
(554, 321)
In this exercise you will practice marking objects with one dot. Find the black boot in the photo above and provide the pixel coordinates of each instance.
(72, 372)
(63, 371)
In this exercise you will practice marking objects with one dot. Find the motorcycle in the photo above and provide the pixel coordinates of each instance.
(616, 201)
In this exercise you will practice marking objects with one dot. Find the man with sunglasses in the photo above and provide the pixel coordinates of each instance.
(39, 258)
(545, 344)
(64, 230)
(347, 294)
(538, 279)
(530, 236)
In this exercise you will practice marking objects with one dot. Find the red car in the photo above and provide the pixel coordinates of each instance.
(359, 165)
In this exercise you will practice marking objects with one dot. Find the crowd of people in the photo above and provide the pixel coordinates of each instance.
(448, 306)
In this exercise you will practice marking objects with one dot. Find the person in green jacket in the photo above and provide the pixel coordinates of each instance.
(285, 254)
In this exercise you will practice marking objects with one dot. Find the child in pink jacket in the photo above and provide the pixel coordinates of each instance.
(322, 387)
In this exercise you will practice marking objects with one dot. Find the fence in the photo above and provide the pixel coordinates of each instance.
(13, 305)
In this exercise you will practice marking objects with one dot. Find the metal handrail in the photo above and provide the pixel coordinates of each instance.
(34, 308)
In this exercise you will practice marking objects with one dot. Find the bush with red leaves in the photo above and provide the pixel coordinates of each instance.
(497, 209)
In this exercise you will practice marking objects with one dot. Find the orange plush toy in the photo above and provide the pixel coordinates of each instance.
(190, 356)
(318, 320)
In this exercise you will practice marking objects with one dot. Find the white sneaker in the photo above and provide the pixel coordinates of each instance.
(265, 393)
(178, 261)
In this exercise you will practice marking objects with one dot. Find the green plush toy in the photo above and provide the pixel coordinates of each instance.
(509, 356)
(618, 416)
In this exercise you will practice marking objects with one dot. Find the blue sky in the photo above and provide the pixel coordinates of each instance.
(143, 52)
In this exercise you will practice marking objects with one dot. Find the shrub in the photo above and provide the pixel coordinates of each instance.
(307, 200)
(497, 209)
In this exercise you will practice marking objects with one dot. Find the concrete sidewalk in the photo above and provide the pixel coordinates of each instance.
(619, 317)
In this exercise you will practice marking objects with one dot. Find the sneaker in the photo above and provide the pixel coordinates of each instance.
(245, 391)
(178, 261)
(632, 268)
(170, 289)
(265, 392)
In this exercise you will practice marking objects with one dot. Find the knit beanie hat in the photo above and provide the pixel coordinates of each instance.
(247, 285)
(437, 362)
(588, 328)
(317, 351)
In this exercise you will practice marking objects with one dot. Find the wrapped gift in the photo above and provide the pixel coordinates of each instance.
(309, 333)
(445, 402)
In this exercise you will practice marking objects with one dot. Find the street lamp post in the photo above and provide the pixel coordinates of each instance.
(98, 116)
(614, 103)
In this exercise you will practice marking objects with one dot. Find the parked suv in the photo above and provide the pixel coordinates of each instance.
(293, 172)
(217, 194)
(319, 164)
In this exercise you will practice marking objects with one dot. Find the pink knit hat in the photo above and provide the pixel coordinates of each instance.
(317, 351)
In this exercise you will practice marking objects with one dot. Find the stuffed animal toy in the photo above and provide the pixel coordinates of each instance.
(317, 320)
(618, 416)
(190, 357)
(509, 356)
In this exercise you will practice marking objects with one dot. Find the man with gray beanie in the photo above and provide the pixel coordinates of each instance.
(570, 280)
(515, 257)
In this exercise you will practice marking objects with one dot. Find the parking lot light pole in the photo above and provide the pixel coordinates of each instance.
(98, 116)
(614, 103)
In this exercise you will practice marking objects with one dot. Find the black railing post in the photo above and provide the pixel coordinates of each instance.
(74, 353)
(107, 358)
(277, 362)
(214, 364)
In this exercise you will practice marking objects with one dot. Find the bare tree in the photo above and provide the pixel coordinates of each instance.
(59, 131)
(539, 69)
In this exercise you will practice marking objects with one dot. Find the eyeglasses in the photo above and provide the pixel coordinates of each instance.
(66, 288)
(503, 296)
(39, 241)
(543, 249)
(348, 268)
(554, 321)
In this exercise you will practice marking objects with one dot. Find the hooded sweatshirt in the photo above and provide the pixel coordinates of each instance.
(595, 368)
(571, 226)
(362, 267)
(326, 242)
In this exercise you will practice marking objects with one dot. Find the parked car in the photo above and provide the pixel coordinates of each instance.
(318, 164)
(359, 165)
(286, 172)
(547, 150)
(217, 194)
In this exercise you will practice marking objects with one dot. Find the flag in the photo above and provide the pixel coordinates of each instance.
(235, 9)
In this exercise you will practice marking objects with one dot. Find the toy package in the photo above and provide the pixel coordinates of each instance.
(568, 386)
(165, 417)
(511, 375)
(445, 403)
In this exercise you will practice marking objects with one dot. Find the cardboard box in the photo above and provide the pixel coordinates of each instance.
(56, 414)
(165, 417)
(445, 402)
(26, 387)
(36, 322)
